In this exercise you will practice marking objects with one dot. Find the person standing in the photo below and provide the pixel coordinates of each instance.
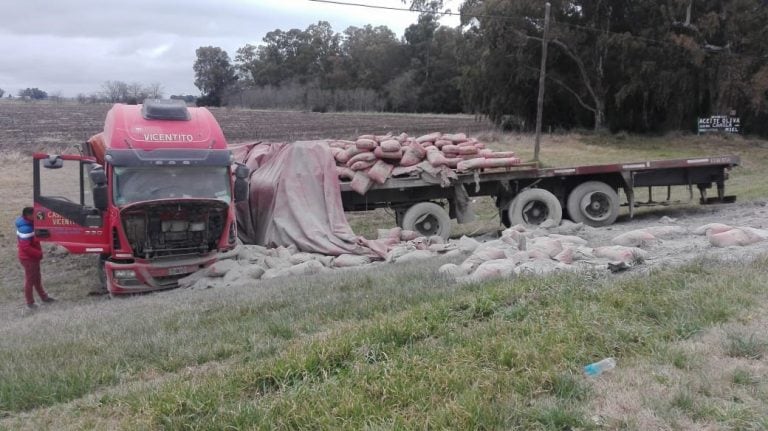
(30, 255)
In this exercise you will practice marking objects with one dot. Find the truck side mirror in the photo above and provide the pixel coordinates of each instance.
(100, 199)
(242, 171)
(98, 176)
(241, 190)
(53, 162)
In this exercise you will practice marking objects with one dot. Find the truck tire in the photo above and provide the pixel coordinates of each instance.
(533, 206)
(593, 203)
(428, 219)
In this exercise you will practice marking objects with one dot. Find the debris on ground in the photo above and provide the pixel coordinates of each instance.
(517, 251)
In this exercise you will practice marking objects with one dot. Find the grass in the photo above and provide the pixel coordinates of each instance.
(743, 377)
(313, 354)
(398, 346)
(746, 347)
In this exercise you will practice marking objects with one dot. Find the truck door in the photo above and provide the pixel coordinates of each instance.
(70, 201)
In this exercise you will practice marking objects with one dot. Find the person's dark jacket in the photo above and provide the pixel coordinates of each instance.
(29, 246)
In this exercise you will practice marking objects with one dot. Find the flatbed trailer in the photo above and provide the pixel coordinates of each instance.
(530, 195)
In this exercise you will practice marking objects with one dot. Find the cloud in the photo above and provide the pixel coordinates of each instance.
(74, 46)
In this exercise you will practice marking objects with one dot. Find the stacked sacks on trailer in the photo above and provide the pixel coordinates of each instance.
(372, 159)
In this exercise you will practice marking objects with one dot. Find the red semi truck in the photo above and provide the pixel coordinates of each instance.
(153, 195)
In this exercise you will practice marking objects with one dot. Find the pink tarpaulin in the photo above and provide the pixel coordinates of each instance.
(295, 199)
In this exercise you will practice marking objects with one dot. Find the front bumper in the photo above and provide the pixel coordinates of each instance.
(139, 276)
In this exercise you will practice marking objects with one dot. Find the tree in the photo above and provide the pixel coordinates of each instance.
(433, 52)
(114, 91)
(403, 93)
(135, 93)
(636, 65)
(154, 90)
(213, 74)
(725, 44)
(131, 93)
(372, 57)
(305, 56)
(55, 96)
(33, 93)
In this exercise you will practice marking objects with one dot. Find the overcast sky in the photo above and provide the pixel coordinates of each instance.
(73, 46)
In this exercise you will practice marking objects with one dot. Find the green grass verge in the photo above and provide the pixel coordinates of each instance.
(494, 356)
(392, 348)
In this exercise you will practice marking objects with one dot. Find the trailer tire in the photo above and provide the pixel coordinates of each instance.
(533, 206)
(593, 203)
(428, 219)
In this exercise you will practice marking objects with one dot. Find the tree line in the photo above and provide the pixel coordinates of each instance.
(110, 92)
(634, 65)
(362, 68)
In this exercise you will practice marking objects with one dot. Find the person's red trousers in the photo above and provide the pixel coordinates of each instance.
(32, 280)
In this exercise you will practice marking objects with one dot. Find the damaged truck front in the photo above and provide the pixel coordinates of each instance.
(154, 199)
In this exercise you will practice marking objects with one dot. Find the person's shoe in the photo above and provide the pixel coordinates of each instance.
(49, 299)
(31, 307)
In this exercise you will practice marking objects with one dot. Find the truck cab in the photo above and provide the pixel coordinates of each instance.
(152, 195)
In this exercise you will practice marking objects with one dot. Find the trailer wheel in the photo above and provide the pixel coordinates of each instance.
(428, 219)
(593, 203)
(533, 206)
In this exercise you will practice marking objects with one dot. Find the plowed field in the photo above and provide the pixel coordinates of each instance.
(28, 126)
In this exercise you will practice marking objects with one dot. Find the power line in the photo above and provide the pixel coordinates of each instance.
(370, 6)
(405, 9)
(470, 15)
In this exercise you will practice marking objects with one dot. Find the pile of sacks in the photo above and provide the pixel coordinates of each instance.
(247, 263)
(538, 251)
(718, 235)
(518, 251)
(548, 249)
(372, 159)
(722, 235)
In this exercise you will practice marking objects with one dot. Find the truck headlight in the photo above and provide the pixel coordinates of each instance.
(124, 273)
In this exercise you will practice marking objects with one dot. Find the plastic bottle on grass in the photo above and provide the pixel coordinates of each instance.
(596, 368)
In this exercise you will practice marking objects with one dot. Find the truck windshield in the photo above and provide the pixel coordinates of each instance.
(135, 184)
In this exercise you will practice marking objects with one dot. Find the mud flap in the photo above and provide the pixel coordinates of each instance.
(461, 205)
(629, 191)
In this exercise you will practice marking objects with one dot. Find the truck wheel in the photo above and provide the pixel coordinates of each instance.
(533, 206)
(428, 219)
(593, 203)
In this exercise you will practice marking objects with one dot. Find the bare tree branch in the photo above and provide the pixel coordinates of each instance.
(575, 58)
(569, 89)
(582, 69)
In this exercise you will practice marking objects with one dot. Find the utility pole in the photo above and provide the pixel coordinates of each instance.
(542, 79)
